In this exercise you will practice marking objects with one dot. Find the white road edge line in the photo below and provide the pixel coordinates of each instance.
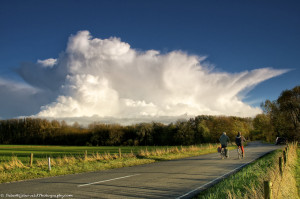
(215, 179)
(107, 180)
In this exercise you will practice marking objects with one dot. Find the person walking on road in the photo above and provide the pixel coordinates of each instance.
(224, 139)
(239, 140)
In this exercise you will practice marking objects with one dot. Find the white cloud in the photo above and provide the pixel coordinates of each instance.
(47, 62)
(109, 78)
(85, 95)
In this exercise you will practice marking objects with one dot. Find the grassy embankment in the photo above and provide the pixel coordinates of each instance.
(15, 166)
(249, 182)
(297, 171)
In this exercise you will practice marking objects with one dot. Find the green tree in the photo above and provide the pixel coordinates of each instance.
(145, 133)
(263, 128)
(204, 131)
(289, 105)
(185, 134)
(284, 113)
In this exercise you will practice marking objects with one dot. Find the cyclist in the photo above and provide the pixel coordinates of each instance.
(239, 140)
(224, 139)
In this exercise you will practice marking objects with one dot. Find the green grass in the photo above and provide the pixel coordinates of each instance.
(248, 183)
(297, 171)
(239, 182)
(14, 165)
(40, 152)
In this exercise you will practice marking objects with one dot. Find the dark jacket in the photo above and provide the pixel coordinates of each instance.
(224, 139)
(239, 140)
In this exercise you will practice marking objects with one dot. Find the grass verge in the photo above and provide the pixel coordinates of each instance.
(248, 183)
(297, 171)
(15, 169)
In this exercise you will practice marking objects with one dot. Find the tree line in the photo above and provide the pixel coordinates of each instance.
(200, 129)
(280, 117)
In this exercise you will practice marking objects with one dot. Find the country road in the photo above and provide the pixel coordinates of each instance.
(168, 179)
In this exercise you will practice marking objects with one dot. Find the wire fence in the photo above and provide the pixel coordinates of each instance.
(276, 186)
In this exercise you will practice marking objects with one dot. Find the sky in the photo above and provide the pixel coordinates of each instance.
(128, 58)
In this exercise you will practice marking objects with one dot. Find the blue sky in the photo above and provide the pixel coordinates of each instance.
(234, 36)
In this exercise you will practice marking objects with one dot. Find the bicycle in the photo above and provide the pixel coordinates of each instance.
(222, 153)
(240, 153)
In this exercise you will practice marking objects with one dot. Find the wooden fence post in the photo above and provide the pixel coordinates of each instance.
(85, 155)
(49, 164)
(268, 189)
(280, 165)
(31, 159)
(120, 153)
(284, 157)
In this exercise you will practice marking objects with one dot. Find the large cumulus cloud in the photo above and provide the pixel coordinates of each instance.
(108, 78)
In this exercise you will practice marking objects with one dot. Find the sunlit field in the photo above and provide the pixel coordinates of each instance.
(22, 152)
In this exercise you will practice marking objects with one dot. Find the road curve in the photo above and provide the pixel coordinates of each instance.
(181, 178)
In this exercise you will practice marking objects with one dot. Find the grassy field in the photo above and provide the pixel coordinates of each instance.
(40, 152)
(14, 164)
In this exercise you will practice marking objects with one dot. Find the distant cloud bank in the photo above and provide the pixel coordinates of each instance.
(108, 78)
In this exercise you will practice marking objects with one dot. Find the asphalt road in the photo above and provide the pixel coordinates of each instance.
(168, 179)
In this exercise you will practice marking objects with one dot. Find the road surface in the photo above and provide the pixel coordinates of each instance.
(181, 178)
